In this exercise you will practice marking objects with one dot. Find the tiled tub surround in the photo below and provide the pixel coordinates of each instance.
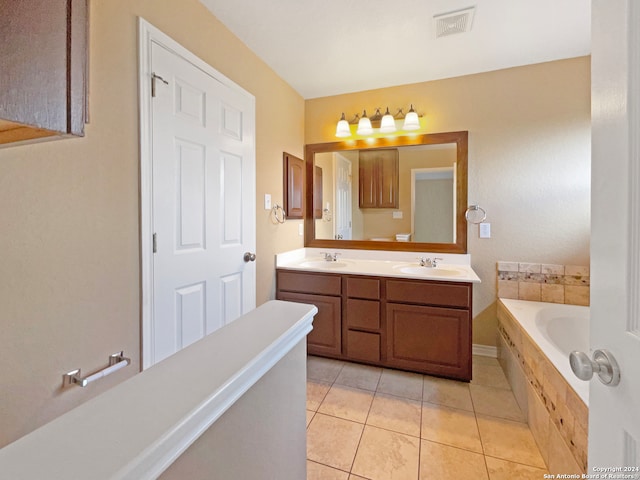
(544, 282)
(556, 414)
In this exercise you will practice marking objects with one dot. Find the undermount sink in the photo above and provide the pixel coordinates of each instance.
(323, 264)
(431, 271)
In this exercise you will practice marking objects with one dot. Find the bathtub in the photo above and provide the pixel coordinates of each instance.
(557, 329)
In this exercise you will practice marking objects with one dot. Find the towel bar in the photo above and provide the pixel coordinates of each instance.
(116, 362)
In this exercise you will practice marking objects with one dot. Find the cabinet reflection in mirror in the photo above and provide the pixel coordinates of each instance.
(405, 193)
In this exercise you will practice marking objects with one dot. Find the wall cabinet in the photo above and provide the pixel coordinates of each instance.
(293, 186)
(43, 63)
(378, 178)
(416, 325)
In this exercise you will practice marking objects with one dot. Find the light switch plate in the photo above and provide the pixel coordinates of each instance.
(397, 214)
(267, 201)
(485, 230)
(300, 229)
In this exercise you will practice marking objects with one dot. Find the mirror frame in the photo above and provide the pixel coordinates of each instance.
(461, 139)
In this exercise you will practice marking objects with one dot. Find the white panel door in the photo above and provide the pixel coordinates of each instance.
(614, 412)
(342, 201)
(203, 204)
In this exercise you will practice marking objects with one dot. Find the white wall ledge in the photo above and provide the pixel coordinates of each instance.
(138, 428)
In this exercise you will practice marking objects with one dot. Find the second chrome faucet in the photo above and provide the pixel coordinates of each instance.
(330, 257)
(429, 262)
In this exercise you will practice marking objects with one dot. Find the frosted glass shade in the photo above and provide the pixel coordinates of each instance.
(388, 123)
(364, 126)
(411, 121)
(343, 130)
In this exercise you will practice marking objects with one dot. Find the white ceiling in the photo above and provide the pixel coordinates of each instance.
(329, 47)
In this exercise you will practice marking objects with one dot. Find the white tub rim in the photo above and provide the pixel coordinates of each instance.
(525, 313)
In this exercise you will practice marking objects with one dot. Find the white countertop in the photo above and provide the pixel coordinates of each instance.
(451, 267)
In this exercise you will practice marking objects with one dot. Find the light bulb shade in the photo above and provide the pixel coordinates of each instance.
(388, 123)
(364, 125)
(411, 120)
(343, 130)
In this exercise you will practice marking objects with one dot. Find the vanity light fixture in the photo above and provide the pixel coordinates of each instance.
(411, 120)
(343, 130)
(364, 125)
(386, 123)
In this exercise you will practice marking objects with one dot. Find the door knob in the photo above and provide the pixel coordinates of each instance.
(603, 364)
(249, 257)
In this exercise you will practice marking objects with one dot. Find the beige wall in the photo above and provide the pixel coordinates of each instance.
(69, 269)
(529, 160)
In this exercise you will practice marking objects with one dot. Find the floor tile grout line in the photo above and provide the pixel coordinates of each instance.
(448, 406)
(518, 463)
(353, 461)
(364, 426)
(458, 447)
(329, 466)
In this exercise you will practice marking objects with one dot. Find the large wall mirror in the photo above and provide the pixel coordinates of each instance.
(404, 193)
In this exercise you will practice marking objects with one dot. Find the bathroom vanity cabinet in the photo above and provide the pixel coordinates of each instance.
(416, 325)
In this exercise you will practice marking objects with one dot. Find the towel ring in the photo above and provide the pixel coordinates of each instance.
(278, 217)
(475, 208)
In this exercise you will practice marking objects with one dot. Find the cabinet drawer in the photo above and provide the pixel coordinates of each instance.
(363, 314)
(363, 346)
(309, 283)
(363, 288)
(445, 294)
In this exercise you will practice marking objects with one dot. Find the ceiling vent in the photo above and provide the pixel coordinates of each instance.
(459, 21)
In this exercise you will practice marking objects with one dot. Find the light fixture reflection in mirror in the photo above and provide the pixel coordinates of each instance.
(439, 160)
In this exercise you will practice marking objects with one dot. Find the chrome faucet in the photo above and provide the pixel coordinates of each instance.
(330, 257)
(429, 262)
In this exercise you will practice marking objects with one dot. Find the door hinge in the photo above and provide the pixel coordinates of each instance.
(155, 242)
(154, 77)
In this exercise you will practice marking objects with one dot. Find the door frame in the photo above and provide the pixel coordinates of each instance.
(147, 35)
(335, 160)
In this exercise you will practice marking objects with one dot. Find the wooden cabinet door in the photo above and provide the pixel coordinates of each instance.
(43, 46)
(293, 186)
(326, 336)
(388, 179)
(367, 182)
(429, 339)
(378, 178)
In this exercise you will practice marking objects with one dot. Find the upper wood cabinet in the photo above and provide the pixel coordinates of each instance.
(293, 186)
(378, 178)
(43, 64)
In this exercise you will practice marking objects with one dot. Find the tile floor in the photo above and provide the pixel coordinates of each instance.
(379, 424)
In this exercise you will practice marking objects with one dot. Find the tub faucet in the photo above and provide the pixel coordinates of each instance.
(429, 262)
(330, 257)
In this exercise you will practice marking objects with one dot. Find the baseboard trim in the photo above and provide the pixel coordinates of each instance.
(485, 350)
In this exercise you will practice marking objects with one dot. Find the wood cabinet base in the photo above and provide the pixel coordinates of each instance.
(415, 325)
